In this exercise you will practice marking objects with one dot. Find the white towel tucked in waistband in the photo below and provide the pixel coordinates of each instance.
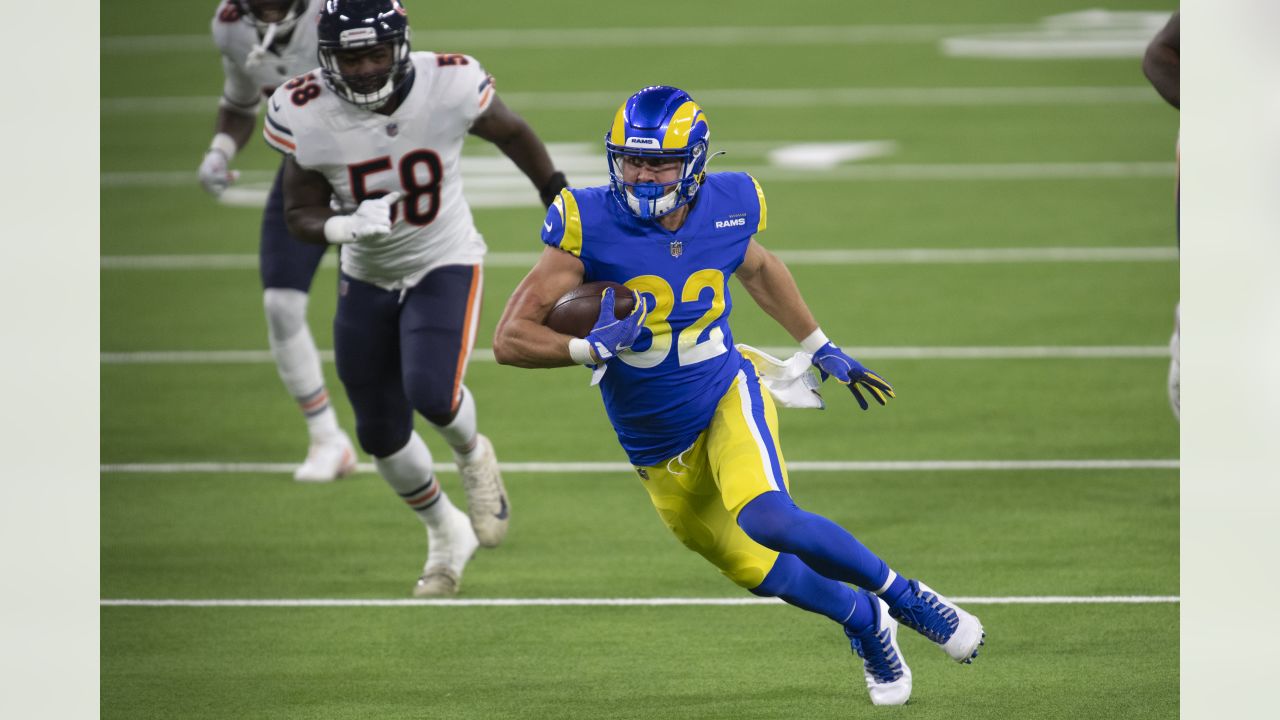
(790, 382)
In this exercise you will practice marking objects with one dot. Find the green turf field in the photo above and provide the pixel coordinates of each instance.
(1023, 354)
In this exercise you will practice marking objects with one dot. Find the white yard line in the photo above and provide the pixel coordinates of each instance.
(603, 100)
(604, 602)
(972, 171)
(485, 355)
(962, 172)
(564, 468)
(906, 256)
(469, 41)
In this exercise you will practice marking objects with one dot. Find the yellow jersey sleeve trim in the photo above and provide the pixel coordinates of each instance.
(572, 241)
(764, 209)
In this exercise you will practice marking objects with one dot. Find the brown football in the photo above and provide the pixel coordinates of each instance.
(576, 312)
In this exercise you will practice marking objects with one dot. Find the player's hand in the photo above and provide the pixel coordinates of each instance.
(831, 361)
(370, 221)
(611, 336)
(215, 176)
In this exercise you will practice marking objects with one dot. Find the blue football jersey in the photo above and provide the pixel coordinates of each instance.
(663, 392)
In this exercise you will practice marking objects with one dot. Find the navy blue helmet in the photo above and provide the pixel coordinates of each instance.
(658, 122)
(284, 14)
(357, 24)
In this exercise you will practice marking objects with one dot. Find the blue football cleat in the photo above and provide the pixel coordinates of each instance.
(887, 674)
(959, 633)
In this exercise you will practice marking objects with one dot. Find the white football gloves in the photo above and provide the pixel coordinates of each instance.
(215, 176)
(370, 221)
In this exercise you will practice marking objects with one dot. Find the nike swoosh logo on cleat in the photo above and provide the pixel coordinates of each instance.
(503, 513)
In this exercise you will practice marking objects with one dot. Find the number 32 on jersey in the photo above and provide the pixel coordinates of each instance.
(688, 349)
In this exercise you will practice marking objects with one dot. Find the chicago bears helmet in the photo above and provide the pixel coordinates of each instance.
(658, 122)
(354, 24)
(284, 14)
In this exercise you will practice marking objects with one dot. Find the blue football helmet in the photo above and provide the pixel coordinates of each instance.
(354, 24)
(284, 14)
(658, 122)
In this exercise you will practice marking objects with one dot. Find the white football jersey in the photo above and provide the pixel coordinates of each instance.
(416, 150)
(235, 36)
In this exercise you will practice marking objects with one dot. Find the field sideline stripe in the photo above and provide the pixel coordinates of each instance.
(609, 602)
(606, 467)
(559, 38)
(485, 355)
(908, 172)
(842, 256)
(595, 100)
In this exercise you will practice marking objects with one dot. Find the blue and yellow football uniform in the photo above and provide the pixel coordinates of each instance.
(688, 409)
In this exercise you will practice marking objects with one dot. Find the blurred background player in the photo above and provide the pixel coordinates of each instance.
(689, 409)
(1160, 63)
(263, 44)
(372, 143)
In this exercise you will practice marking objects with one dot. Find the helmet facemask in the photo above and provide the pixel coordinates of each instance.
(651, 200)
(283, 14)
(369, 91)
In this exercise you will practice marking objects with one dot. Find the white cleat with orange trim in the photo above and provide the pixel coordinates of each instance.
(449, 548)
(327, 460)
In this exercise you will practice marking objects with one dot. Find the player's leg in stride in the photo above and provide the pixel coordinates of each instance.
(368, 345)
(439, 323)
(698, 493)
(450, 540)
(872, 632)
(487, 503)
(287, 266)
(773, 520)
(690, 500)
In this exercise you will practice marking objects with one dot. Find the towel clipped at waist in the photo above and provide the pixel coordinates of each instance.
(790, 382)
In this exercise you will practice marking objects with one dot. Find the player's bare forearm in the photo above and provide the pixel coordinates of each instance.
(521, 338)
(306, 202)
(771, 285)
(513, 136)
(1160, 63)
(528, 344)
(238, 125)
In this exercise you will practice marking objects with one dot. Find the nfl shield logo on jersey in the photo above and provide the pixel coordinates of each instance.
(677, 248)
(393, 129)
(644, 474)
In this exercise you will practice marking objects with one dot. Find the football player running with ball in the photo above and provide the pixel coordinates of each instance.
(263, 44)
(372, 142)
(689, 408)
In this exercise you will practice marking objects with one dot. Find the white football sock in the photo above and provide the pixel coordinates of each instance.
(297, 359)
(461, 433)
(408, 472)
